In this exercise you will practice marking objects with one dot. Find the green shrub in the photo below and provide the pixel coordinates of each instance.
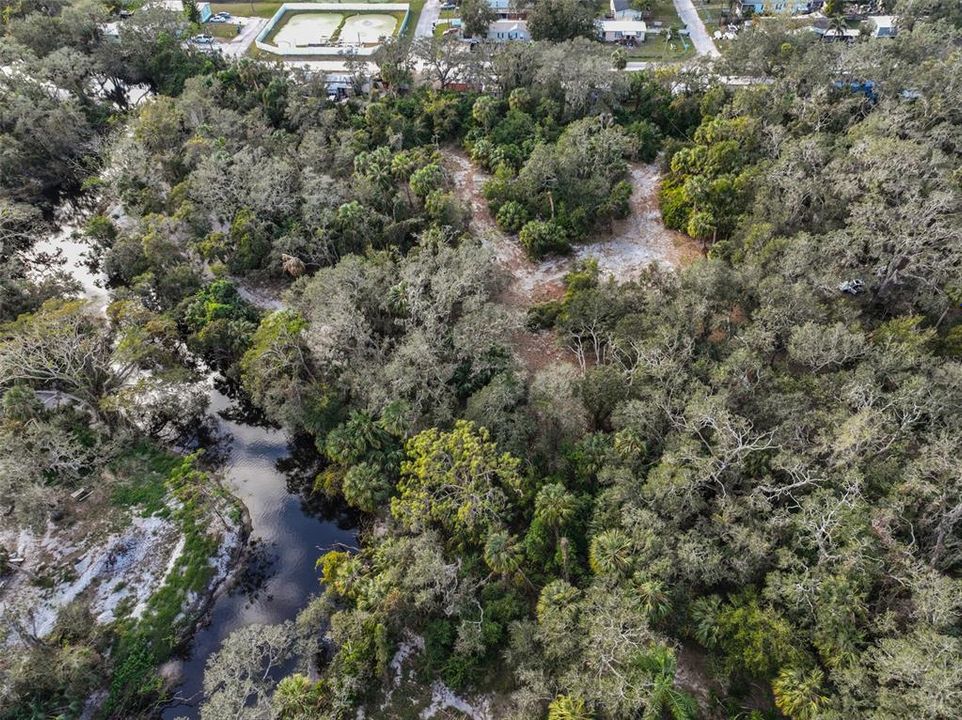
(512, 216)
(674, 206)
(544, 315)
(439, 636)
(648, 139)
(540, 238)
(365, 487)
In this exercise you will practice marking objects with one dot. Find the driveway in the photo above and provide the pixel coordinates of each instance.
(249, 28)
(700, 38)
(429, 15)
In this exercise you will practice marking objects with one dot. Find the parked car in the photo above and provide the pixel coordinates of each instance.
(221, 17)
(449, 6)
(203, 39)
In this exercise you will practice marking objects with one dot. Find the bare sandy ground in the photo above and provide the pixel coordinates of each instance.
(111, 560)
(635, 243)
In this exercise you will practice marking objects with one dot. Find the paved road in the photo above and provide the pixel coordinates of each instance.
(429, 15)
(250, 27)
(702, 41)
(332, 66)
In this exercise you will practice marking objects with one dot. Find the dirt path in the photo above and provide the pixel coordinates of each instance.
(634, 244)
(530, 283)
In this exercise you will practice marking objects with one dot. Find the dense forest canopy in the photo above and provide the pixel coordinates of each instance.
(739, 492)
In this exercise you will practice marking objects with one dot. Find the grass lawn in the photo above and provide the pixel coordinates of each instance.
(222, 31)
(443, 24)
(656, 49)
(663, 11)
(416, 7)
(711, 12)
(246, 9)
(661, 14)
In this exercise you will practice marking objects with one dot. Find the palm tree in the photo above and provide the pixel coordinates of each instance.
(654, 599)
(555, 507)
(798, 692)
(298, 697)
(666, 699)
(610, 553)
(629, 445)
(502, 554)
(837, 26)
(704, 620)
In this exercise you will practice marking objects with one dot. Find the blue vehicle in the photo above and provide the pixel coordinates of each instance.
(861, 87)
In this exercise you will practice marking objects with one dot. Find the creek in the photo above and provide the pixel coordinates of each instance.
(268, 471)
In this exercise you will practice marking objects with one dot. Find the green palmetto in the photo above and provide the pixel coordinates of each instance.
(555, 506)
(568, 707)
(665, 700)
(502, 553)
(654, 599)
(798, 692)
(610, 553)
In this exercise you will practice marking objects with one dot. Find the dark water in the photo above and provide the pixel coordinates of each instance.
(267, 473)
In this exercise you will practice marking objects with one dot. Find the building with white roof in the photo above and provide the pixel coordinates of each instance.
(619, 30)
(883, 26)
(507, 30)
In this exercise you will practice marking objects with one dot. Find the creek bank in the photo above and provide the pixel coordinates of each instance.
(264, 570)
(267, 471)
(114, 561)
(114, 555)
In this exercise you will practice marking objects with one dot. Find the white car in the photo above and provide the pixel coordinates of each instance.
(203, 39)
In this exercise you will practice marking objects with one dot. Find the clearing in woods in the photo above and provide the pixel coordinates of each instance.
(634, 244)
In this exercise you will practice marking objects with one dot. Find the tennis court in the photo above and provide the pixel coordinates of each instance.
(307, 28)
(367, 28)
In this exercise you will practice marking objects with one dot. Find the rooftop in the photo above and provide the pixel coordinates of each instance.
(623, 25)
(508, 25)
